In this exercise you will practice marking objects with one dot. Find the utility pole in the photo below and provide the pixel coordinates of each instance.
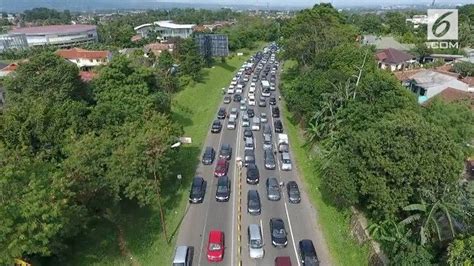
(360, 72)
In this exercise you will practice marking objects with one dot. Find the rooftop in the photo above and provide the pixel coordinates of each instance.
(76, 53)
(393, 56)
(54, 29)
(166, 24)
(453, 95)
(385, 43)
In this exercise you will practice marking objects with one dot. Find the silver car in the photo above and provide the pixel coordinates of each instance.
(269, 160)
(273, 189)
(285, 161)
(255, 241)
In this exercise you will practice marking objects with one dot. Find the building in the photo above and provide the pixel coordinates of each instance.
(13, 41)
(211, 45)
(85, 59)
(427, 84)
(393, 59)
(165, 29)
(58, 35)
(157, 48)
(418, 20)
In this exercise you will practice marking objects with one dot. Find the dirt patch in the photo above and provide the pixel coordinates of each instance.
(124, 251)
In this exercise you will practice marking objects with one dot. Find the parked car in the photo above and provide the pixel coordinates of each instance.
(270, 163)
(249, 157)
(248, 133)
(278, 232)
(227, 99)
(273, 189)
(263, 117)
(308, 254)
(272, 101)
(231, 123)
(250, 112)
(293, 192)
(233, 113)
(222, 167)
(285, 161)
(245, 120)
(253, 202)
(253, 175)
(223, 189)
(237, 98)
(278, 126)
(198, 189)
(183, 256)
(225, 152)
(275, 112)
(216, 126)
(215, 246)
(208, 156)
(255, 241)
(221, 114)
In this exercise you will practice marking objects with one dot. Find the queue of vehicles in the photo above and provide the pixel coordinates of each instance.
(265, 65)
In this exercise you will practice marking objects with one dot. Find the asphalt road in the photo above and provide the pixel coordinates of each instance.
(231, 217)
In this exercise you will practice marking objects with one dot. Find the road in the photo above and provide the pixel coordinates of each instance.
(231, 217)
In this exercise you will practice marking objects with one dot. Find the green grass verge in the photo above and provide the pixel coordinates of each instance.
(335, 223)
(194, 108)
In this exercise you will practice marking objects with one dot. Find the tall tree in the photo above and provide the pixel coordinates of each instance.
(190, 61)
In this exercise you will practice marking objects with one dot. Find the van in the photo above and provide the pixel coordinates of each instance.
(183, 256)
(255, 241)
(249, 144)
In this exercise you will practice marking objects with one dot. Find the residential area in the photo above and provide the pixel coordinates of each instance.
(197, 134)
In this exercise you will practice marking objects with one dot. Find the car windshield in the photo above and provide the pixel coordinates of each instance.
(279, 233)
(286, 161)
(222, 189)
(254, 243)
(214, 246)
(253, 203)
(196, 190)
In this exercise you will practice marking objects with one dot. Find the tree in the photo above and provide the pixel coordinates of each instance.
(396, 23)
(461, 252)
(465, 69)
(190, 61)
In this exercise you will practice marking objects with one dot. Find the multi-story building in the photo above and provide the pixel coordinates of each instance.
(13, 41)
(58, 35)
(165, 29)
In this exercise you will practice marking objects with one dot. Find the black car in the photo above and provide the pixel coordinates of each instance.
(278, 126)
(216, 126)
(308, 254)
(278, 232)
(221, 114)
(208, 156)
(275, 112)
(225, 152)
(253, 176)
(227, 99)
(269, 159)
(293, 192)
(254, 206)
(262, 102)
(250, 112)
(223, 189)
(237, 98)
(198, 189)
(272, 100)
(249, 157)
(248, 133)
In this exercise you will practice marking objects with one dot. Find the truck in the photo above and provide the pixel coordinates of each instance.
(283, 144)
(265, 84)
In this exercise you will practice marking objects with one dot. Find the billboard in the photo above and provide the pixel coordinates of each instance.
(211, 45)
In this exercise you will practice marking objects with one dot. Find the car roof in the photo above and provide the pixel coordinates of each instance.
(254, 230)
(221, 161)
(215, 236)
(180, 254)
(282, 261)
(285, 155)
(197, 180)
(272, 179)
(306, 245)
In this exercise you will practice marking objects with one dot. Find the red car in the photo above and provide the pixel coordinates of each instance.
(221, 168)
(215, 248)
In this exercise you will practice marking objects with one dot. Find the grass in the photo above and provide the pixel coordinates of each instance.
(194, 108)
(335, 223)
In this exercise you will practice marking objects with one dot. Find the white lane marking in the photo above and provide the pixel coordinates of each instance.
(291, 232)
(262, 231)
(203, 236)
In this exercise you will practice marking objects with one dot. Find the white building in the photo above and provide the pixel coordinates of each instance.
(58, 35)
(417, 20)
(166, 29)
(85, 59)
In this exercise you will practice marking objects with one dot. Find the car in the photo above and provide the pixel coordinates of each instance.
(208, 156)
(225, 152)
(183, 256)
(249, 157)
(231, 90)
(255, 124)
(215, 246)
(249, 144)
(250, 112)
(252, 102)
(254, 79)
(248, 133)
(223, 189)
(255, 241)
(270, 163)
(278, 232)
(267, 142)
(262, 103)
(275, 112)
(237, 98)
(227, 99)
(231, 123)
(266, 92)
(245, 120)
(294, 195)
(283, 261)
(308, 254)
(263, 117)
(285, 161)
(243, 106)
(234, 113)
(221, 114)
(222, 167)
(273, 189)
(251, 90)
(198, 190)
(253, 175)
(216, 126)
(253, 202)
(267, 130)
(278, 126)
(272, 101)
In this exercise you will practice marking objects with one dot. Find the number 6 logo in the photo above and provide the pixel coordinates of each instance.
(442, 24)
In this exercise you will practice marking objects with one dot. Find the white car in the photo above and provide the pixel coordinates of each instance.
(245, 120)
(253, 84)
(233, 113)
(255, 124)
(231, 90)
(231, 123)
(272, 88)
(285, 161)
(252, 102)
(238, 90)
(243, 106)
(233, 83)
(266, 93)
(263, 117)
(252, 90)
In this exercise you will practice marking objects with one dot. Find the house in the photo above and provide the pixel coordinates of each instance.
(393, 59)
(85, 59)
(157, 48)
(427, 84)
